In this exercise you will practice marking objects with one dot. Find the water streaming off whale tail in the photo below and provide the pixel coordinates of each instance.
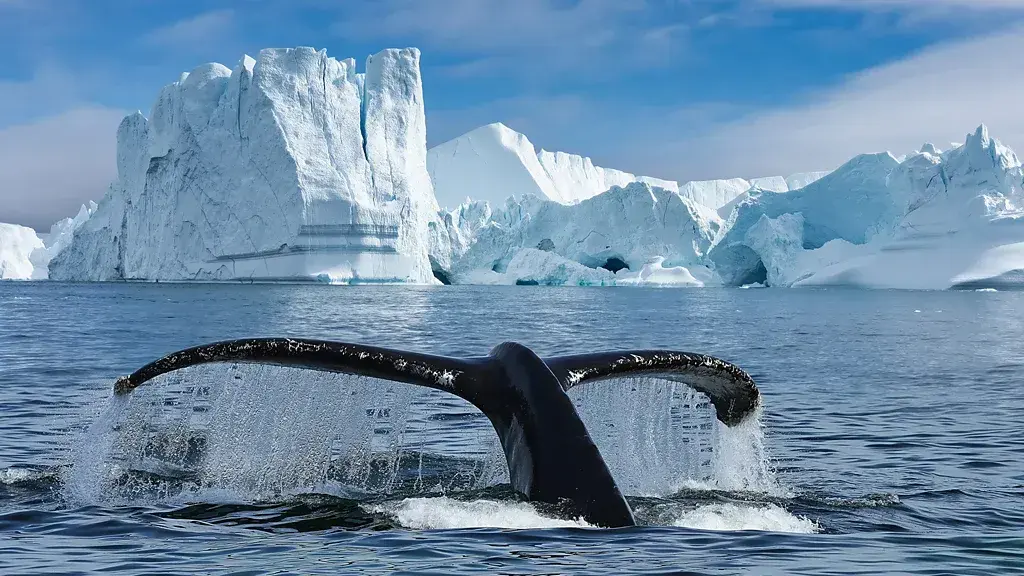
(244, 434)
(253, 432)
(661, 437)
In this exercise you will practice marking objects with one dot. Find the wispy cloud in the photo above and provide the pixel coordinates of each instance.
(48, 89)
(492, 25)
(937, 95)
(192, 32)
(527, 37)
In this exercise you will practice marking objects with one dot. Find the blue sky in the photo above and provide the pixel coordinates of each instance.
(680, 89)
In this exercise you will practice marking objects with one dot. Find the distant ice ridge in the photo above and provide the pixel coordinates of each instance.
(494, 162)
(292, 166)
(26, 255)
(931, 220)
(58, 238)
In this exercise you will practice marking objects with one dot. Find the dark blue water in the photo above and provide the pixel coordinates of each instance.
(894, 423)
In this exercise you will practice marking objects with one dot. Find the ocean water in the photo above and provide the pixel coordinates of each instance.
(891, 438)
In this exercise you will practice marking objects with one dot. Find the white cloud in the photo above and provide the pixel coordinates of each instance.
(499, 25)
(937, 95)
(193, 33)
(50, 167)
(47, 90)
(527, 38)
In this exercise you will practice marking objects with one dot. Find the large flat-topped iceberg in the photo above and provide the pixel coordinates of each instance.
(292, 166)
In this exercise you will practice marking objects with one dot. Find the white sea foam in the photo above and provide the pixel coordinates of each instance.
(445, 513)
(734, 517)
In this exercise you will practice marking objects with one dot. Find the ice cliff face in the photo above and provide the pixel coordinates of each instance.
(607, 239)
(932, 220)
(291, 166)
(58, 238)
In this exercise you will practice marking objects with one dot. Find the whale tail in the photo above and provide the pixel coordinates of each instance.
(551, 456)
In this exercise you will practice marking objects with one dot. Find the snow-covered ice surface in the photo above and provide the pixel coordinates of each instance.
(494, 162)
(292, 166)
(16, 246)
(929, 221)
(623, 236)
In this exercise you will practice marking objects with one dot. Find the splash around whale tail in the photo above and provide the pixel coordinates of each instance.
(551, 456)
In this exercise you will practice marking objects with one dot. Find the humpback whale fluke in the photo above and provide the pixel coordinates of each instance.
(551, 457)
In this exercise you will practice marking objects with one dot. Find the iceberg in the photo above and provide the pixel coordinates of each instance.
(931, 220)
(291, 166)
(295, 167)
(17, 243)
(26, 255)
(628, 235)
(494, 162)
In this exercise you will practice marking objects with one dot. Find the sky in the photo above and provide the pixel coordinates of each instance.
(676, 89)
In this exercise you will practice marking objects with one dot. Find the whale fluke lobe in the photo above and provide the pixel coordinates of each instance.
(731, 390)
(550, 454)
(436, 372)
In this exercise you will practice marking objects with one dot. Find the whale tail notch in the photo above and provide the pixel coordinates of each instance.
(550, 454)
